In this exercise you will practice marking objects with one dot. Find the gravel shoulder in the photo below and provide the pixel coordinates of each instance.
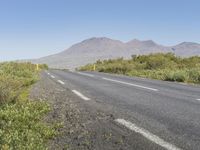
(86, 126)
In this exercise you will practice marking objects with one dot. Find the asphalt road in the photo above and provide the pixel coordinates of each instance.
(164, 113)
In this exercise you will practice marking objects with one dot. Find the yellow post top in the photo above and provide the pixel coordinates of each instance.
(37, 66)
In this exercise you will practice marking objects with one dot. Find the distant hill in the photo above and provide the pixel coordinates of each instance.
(90, 50)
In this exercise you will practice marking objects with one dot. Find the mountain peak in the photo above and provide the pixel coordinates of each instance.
(134, 41)
(149, 42)
(188, 44)
(98, 39)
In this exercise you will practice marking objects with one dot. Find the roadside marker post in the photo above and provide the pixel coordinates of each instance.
(37, 67)
(94, 67)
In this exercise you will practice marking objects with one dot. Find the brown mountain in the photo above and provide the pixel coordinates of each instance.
(90, 50)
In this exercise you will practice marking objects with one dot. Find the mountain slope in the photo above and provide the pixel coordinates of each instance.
(90, 50)
(187, 49)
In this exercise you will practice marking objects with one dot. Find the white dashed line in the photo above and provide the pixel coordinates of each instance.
(147, 135)
(130, 84)
(61, 82)
(85, 74)
(81, 95)
(48, 73)
(52, 76)
(198, 99)
(182, 83)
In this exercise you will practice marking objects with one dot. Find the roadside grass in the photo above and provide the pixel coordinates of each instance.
(160, 66)
(21, 125)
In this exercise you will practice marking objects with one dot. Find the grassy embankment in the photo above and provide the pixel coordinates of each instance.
(21, 125)
(165, 67)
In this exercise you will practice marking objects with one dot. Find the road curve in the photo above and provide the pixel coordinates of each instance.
(164, 113)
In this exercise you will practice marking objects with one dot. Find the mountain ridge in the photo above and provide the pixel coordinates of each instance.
(93, 49)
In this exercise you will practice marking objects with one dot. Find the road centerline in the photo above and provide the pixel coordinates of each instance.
(80, 95)
(130, 84)
(61, 82)
(147, 134)
(52, 76)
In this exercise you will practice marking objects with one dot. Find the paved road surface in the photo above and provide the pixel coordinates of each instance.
(163, 113)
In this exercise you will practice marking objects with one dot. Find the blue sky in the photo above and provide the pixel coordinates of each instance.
(36, 28)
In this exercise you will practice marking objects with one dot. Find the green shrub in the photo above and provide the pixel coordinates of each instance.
(193, 75)
(14, 77)
(9, 89)
(157, 66)
(179, 76)
(21, 125)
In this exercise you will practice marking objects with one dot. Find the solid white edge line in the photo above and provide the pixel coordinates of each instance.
(61, 82)
(131, 84)
(147, 134)
(80, 95)
(85, 74)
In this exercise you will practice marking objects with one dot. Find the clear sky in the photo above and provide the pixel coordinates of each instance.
(35, 28)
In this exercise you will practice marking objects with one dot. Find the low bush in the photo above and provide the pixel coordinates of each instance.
(157, 66)
(21, 125)
(194, 75)
(9, 89)
(179, 76)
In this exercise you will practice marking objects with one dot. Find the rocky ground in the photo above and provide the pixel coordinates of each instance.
(84, 127)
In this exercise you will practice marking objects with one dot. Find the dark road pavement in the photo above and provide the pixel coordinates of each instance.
(163, 113)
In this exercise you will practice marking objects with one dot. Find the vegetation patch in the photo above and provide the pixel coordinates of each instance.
(21, 125)
(160, 66)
